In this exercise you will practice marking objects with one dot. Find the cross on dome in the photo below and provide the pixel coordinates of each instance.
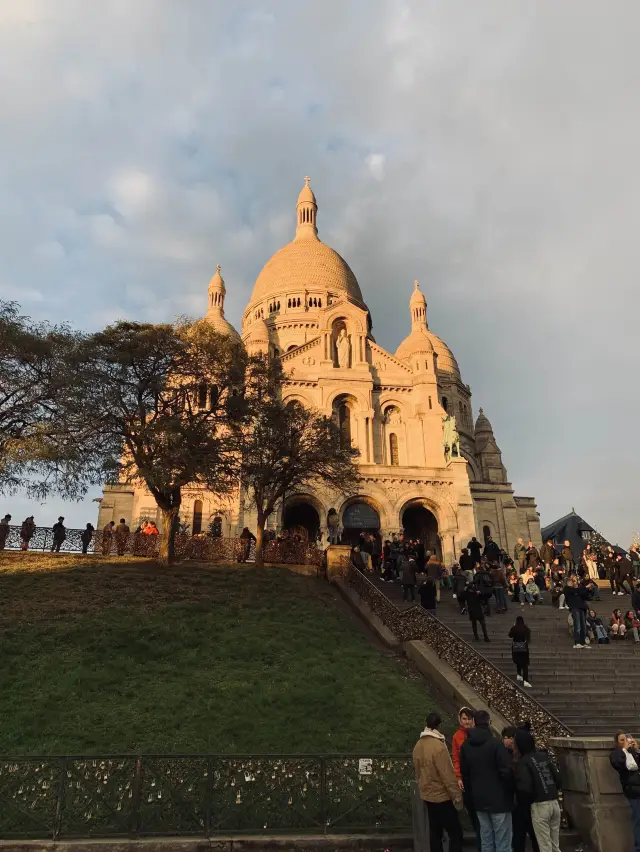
(307, 180)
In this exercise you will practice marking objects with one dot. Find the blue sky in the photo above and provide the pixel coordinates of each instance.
(488, 150)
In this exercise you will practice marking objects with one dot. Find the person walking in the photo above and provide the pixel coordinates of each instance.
(59, 535)
(538, 782)
(487, 772)
(475, 607)
(520, 636)
(576, 597)
(408, 579)
(86, 536)
(625, 759)
(459, 589)
(4, 530)
(439, 789)
(519, 555)
(27, 531)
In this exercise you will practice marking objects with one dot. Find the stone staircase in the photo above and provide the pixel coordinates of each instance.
(592, 690)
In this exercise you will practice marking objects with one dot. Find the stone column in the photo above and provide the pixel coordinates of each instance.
(592, 793)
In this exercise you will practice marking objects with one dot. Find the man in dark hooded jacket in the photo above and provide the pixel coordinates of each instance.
(537, 782)
(487, 773)
(475, 549)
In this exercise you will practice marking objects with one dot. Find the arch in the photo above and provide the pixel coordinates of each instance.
(359, 515)
(441, 509)
(355, 318)
(486, 531)
(420, 523)
(301, 515)
(295, 396)
(196, 524)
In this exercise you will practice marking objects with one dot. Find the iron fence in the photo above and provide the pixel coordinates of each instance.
(198, 547)
(490, 683)
(203, 795)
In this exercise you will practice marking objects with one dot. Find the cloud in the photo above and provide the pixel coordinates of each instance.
(488, 150)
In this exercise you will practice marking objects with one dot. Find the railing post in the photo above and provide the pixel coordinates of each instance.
(136, 793)
(57, 821)
(208, 803)
(323, 794)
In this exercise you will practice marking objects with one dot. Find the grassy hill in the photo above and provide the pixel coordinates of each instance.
(119, 655)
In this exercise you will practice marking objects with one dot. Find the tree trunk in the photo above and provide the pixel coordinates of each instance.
(259, 543)
(167, 552)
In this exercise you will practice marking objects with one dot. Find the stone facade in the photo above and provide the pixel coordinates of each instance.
(437, 478)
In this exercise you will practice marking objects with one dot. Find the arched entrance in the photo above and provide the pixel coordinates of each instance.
(302, 516)
(359, 517)
(420, 523)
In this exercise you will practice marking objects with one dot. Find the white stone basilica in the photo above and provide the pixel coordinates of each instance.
(426, 468)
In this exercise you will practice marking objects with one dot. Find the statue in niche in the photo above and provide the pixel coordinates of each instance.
(393, 417)
(343, 348)
(450, 437)
(333, 527)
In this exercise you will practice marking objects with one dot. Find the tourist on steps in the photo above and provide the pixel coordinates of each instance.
(475, 549)
(487, 772)
(625, 759)
(439, 789)
(520, 636)
(475, 608)
(576, 599)
(499, 582)
(632, 624)
(408, 580)
(596, 628)
(428, 595)
(537, 784)
(465, 723)
(520, 555)
(459, 589)
(617, 628)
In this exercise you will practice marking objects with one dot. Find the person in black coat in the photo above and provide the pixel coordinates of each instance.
(625, 759)
(475, 606)
(475, 549)
(492, 550)
(428, 592)
(520, 636)
(487, 773)
(576, 598)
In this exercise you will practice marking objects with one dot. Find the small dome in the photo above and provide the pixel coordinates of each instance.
(306, 195)
(217, 281)
(483, 424)
(418, 341)
(258, 332)
(222, 325)
(417, 297)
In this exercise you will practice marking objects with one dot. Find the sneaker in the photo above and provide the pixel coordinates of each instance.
(527, 684)
(518, 677)
(578, 646)
(587, 647)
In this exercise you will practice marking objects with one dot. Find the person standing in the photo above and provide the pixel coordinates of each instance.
(434, 570)
(625, 759)
(428, 595)
(519, 555)
(475, 608)
(122, 536)
(408, 579)
(87, 535)
(439, 789)
(547, 555)
(59, 535)
(475, 550)
(567, 558)
(487, 772)
(520, 636)
(459, 589)
(537, 784)
(27, 531)
(4, 530)
(499, 582)
(532, 556)
(491, 550)
(107, 537)
(576, 599)
(465, 723)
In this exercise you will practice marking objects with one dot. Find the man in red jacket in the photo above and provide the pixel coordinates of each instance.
(465, 718)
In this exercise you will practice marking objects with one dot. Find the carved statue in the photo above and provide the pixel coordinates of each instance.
(333, 527)
(343, 348)
(450, 436)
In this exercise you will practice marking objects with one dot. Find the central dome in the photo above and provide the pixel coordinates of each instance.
(306, 262)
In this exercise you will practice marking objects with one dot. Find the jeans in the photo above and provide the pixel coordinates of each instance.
(545, 817)
(495, 832)
(579, 617)
(523, 828)
(634, 804)
(444, 817)
(501, 598)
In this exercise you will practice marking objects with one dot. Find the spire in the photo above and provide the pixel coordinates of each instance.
(306, 210)
(217, 292)
(418, 308)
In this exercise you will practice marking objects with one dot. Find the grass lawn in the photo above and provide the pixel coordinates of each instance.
(108, 655)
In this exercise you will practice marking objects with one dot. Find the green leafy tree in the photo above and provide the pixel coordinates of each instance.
(289, 447)
(166, 403)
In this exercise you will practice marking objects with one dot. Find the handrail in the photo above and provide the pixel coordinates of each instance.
(487, 680)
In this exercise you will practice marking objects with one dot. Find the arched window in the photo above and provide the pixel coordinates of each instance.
(196, 526)
(445, 404)
(486, 532)
(393, 449)
(344, 422)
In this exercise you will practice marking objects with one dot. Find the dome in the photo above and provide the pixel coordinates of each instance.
(258, 332)
(215, 315)
(483, 424)
(306, 262)
(446, 362)
(418, 341)
(417, 297)
(223, 326)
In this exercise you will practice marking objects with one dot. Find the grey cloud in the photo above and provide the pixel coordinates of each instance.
(488, 150)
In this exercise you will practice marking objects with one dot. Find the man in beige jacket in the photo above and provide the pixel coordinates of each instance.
(439, 788)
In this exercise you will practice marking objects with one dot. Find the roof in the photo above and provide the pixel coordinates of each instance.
(570, 528)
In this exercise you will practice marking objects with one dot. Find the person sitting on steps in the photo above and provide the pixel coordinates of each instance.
(632, 624)
(617, 628)
(596, 628)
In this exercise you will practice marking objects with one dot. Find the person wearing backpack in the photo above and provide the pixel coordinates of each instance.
(520, 636)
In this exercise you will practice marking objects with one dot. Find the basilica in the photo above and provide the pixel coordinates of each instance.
(426, 468)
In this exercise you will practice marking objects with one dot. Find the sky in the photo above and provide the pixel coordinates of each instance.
(488, 150)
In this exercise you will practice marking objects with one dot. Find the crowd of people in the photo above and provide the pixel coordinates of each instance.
(509, 787)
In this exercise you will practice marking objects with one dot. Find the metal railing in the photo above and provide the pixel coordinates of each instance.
(203, 795)
(199, 547)
(492, 685)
